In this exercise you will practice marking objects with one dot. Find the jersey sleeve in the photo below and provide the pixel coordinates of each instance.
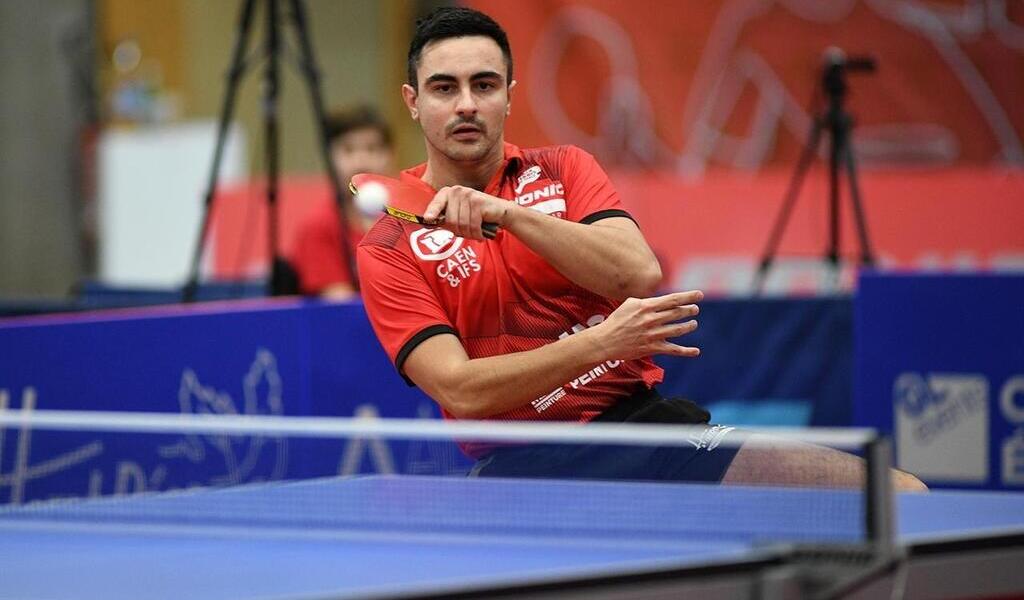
(403, 309)
(590, 195)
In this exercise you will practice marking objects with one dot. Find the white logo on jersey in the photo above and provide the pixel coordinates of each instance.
(528, 176)
(459, 267)
(434, 244)
(553, 191)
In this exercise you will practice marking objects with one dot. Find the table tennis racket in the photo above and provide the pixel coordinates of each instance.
(402, 200)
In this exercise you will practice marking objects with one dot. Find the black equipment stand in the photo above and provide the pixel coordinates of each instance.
(839, 125)
(281, 280)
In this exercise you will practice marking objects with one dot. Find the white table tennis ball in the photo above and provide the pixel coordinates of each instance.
(371, 198)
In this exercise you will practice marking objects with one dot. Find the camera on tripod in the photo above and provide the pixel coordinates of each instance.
(836, 64)
(837, 123)
(278, 15)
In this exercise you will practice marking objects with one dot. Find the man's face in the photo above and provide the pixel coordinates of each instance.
(360, 151)
(463, 97)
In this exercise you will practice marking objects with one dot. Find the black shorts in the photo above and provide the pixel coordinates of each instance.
(702, 460)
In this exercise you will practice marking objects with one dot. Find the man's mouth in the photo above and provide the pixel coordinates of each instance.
(465, 132)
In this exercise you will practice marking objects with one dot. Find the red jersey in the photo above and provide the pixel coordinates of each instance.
(498, 296)
(317, 256)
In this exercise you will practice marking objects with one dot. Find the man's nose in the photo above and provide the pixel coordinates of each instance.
(466, 106)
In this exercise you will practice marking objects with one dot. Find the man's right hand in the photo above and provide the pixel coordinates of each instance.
(465, 211)
(642, 326)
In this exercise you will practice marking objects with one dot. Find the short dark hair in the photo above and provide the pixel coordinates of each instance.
(451, 22)
(361, 116)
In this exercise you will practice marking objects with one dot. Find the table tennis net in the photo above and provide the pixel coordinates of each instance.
(324, 478)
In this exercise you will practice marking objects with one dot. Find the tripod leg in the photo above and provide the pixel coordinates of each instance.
(279, 281)
(312, 76)
(795, 183)
(838, 125)
(866, 253)
(235, 72)
(836, 153)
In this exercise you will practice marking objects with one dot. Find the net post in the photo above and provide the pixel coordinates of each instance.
(879, 507)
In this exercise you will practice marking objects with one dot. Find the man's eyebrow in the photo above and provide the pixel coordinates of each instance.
(486, 75)
(440, 77)
(446, 78)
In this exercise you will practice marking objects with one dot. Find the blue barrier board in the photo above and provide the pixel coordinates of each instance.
(763, 362)
(939, 362)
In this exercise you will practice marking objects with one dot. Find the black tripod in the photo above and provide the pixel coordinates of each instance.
(282, 279)
(839, 125)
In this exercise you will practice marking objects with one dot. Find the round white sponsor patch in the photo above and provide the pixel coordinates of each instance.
(434, 243)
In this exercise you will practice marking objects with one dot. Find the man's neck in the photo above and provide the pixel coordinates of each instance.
(442, 171)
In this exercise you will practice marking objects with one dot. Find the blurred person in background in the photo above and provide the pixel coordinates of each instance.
(360, 142)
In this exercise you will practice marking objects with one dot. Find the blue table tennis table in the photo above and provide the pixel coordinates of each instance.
(419, 537)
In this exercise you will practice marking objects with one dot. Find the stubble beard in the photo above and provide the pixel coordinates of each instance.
(473, 153)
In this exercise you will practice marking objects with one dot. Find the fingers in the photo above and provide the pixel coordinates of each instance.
(437, 206)
(672, 308)
(676, 313)
(475, 221)
(674, 330)
(675, 299)
(463, 210)
(677, 350)
(661, 345)
(643, 327)
(454, 217)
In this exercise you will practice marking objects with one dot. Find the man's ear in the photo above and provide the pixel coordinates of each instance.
(409, 97)
(508, 105)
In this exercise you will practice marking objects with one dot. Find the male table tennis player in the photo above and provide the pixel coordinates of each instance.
(360, 141)
(550, 321)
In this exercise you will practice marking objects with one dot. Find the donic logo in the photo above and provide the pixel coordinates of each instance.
(528, 176)
(434, 243)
